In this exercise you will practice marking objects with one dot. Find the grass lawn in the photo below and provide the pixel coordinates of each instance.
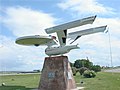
(103, 81)
(24, 82)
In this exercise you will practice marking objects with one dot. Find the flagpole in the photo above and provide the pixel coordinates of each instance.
(110, 51)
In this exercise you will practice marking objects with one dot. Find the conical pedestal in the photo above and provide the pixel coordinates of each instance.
(57, 74)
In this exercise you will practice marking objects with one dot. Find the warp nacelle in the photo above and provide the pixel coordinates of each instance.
(84, 21)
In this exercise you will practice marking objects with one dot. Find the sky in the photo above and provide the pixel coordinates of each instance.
(30, 17)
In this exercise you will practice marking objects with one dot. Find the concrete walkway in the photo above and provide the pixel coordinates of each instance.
(117, 70)
(78, 88)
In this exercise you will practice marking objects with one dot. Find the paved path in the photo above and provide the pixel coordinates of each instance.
(78, 88)
(113, 70)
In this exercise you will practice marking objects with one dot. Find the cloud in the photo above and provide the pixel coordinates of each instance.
(16, 57)
(85, 7)
(22, 21)
(97, 46)
(25, 21)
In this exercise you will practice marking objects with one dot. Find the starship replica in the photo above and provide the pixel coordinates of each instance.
(62, 36)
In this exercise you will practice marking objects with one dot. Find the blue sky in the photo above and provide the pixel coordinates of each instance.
(30, 17)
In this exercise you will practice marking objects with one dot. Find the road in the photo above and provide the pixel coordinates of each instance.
(117, 70)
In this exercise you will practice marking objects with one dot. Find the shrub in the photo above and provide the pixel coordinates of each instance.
(74, 71)
(82, 69)
(89, 74)
(96, 68)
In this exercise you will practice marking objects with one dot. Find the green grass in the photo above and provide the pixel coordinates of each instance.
(20, 82)
(103, 81)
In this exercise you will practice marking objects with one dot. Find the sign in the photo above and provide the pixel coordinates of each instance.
(51, 75)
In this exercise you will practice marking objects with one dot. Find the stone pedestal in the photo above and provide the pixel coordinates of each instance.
(57, 74)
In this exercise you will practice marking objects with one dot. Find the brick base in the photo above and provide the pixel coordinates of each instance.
(57, 74)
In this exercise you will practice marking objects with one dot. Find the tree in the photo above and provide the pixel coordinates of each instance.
(77, 64)
(83, 63)
(74, 71)
(71, 64)
(96, 68)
